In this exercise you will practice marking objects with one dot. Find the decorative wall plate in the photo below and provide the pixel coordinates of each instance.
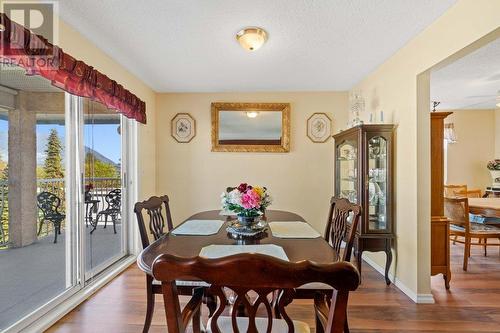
(183, 127)
(319, 127)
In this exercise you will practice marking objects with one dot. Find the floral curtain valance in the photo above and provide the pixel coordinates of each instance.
(19, 46)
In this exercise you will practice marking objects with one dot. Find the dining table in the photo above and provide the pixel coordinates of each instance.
(296, 249)
(486, 207)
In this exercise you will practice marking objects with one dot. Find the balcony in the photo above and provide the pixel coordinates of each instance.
(32, 274)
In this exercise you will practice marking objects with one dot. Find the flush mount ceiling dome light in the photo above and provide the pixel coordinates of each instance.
(251, 38)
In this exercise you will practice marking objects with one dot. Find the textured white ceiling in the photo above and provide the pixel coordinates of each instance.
(472, 82)
(189, 45)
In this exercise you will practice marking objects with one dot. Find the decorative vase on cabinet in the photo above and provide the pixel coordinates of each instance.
(364, 174)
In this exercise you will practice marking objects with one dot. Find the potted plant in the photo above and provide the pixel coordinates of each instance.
(246, 201)
(88, 188)
(494, 167)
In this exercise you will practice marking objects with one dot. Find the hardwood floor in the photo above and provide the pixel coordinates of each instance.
(471, 305)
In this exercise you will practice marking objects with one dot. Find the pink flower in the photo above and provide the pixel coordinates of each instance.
(250, 199)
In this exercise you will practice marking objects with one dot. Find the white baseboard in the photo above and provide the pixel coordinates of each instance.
(417, 298)
(49, 319)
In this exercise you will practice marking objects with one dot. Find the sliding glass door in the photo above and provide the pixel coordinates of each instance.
(62, 194)
(38, 244)
(104, 197)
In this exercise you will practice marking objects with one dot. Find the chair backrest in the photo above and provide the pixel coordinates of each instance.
(338, 227)
(255, 273)
(449, 190)
(158, 212)
(114, 199)
(48, 203)
(457, 211)
(469, 194)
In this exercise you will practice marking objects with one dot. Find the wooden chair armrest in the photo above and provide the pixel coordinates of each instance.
(321, 309)
(193, 307)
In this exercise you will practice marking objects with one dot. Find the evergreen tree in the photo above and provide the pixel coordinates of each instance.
(3, 164)
(53, 160)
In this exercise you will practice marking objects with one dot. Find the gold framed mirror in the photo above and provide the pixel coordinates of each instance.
(251, 127)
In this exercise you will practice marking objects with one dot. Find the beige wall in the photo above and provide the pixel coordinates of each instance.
(392, 87)
(300, 181)
(497, 133)
(475, 146)
(81, 48)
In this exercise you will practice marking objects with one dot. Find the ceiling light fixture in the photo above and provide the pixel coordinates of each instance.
(251, 38)
(252, 114)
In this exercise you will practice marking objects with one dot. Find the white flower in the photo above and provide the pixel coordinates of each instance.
(234, 197)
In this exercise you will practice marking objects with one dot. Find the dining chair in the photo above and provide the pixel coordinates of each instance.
(450, 190)
(253, 278)
(340, 232)
(461, 193)
(457, 211)
(154, 215)
(469, 193)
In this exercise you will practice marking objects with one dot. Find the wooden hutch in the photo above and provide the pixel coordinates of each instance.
(440, 225)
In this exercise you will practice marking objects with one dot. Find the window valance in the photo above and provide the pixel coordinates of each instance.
(19, 46)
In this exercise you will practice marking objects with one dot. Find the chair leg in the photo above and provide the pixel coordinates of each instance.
(114, 223)
(346, 326)
(105, 220)
(455, 239)
(466, 252)
(40, 227)
(211, 303)
(95, 223)
(150, 304)
(55, 233)
(319, 326)
(485, 241)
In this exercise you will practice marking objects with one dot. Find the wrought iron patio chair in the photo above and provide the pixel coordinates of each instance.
(49, 205)
(114, 203)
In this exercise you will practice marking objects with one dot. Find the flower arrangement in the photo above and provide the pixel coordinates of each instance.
(493, 165)
(246, 200)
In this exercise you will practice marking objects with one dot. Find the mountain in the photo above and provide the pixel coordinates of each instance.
(100, 157)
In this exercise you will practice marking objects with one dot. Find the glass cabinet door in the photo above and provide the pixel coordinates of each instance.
(347, 164)
(377, 184)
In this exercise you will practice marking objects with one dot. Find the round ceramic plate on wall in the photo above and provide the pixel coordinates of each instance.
(183, 127)
(319, 127)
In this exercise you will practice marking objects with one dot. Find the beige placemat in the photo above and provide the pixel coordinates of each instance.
(218, 251)
(293, 229)
(198, 227)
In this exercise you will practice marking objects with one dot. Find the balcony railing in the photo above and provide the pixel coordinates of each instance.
(4, 214)
(101, 187)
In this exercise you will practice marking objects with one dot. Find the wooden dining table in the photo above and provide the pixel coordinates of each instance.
(296, 249)
(487, 207)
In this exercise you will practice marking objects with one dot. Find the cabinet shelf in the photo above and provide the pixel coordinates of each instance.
(349, 179)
